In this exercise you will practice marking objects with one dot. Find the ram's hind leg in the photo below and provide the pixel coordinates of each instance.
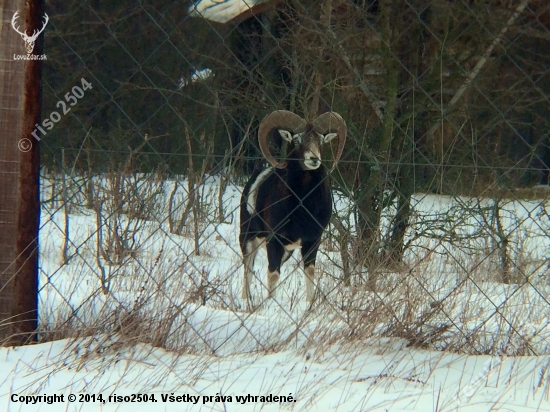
(275, 255)
(250, 249)
(309, 254)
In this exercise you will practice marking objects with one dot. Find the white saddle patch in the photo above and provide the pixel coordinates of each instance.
(253, 194)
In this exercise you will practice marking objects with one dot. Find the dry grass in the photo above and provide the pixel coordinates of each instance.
(445, 296)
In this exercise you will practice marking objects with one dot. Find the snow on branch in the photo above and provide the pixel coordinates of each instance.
(222, 11)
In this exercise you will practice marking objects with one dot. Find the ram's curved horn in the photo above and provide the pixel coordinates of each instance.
(280, 119)
(332, 122)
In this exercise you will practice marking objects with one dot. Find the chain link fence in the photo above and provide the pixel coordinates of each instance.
(440, 225)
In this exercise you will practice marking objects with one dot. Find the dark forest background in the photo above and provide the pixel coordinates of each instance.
(440, 96)
(406, 59)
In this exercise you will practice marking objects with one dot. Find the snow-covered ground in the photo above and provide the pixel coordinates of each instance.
(170, 322)
(381, 375)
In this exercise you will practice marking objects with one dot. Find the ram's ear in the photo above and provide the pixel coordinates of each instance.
(328, 137)
(286, 135)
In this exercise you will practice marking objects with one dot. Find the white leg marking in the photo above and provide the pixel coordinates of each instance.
(272, 280)
(294, 246)
(310, 287)
(251, 250)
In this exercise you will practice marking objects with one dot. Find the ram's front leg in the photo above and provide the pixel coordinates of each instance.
(275, 254)
(309, 254)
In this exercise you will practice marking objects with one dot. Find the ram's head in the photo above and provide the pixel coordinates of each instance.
(306, 138)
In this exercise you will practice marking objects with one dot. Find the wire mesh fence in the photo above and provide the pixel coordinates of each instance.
(439, 230)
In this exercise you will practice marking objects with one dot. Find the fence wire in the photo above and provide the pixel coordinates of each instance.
(440, 225)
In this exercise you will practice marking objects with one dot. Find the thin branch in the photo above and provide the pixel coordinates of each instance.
(481, 62)
(374, 102)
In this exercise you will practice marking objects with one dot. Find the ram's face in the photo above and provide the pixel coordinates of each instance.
(306, 146)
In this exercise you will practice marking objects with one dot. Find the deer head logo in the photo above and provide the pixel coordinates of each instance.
(29, 39)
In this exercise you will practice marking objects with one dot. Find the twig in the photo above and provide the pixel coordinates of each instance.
(481, 62)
